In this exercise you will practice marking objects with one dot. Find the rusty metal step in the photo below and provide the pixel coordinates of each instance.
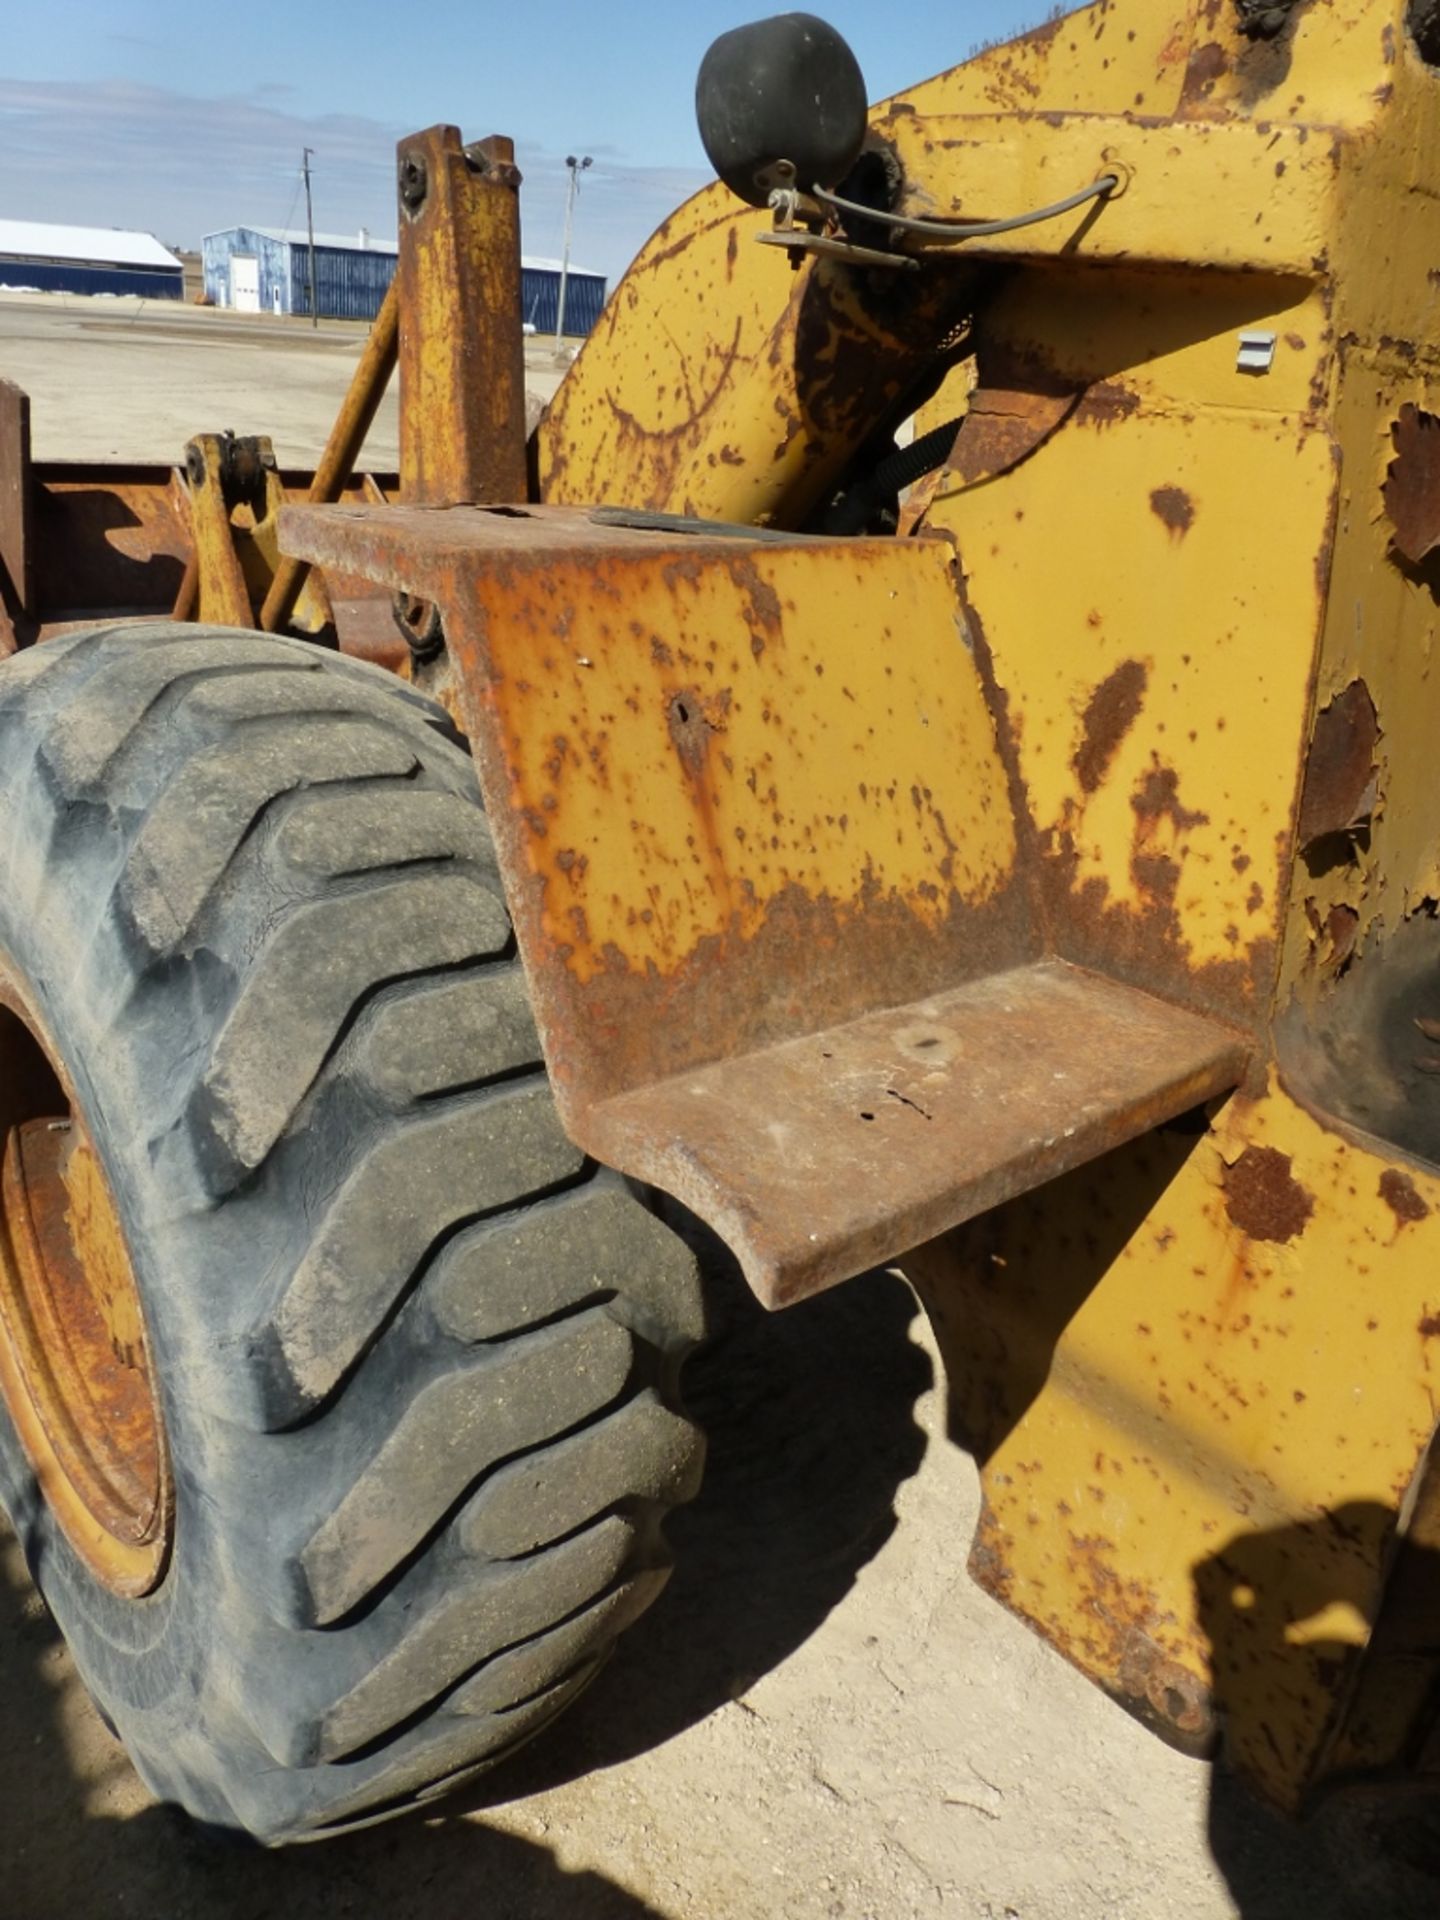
(820, 1157)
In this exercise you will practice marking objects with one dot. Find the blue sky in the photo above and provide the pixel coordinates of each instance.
(180, 118)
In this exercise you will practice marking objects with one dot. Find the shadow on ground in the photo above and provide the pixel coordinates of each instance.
(811, 1424)
(812, 1429)
(1349, 1861)
(61, 1858)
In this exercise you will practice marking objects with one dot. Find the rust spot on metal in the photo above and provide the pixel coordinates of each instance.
(1263, 1197)
(988, 1566)
(1147, 943)
(1003, 426)
(754, 990)
(1156, 875)
(1120, 1641)
(1106, 404)
(694, 718)
(1165, 1695)
(1208, 64)
(1343, 926)
(1399, 1193)
(1412, 484)
(762, 602)
(1158, 798)
(1040, 39)
(1174, 507)
(1110, 713)
(1340, 772)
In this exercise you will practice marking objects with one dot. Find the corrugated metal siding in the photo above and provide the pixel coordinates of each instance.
(540, 299)
(350, 282)
(68, 276)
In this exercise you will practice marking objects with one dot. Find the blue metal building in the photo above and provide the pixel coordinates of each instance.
(42, 255)
(266, 270)
(540, 296)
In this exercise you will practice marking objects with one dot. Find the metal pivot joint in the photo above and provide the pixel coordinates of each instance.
(413, 181)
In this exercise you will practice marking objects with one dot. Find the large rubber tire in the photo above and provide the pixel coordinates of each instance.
(417, 1358)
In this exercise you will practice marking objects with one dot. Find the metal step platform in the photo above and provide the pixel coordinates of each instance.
(821, 1157)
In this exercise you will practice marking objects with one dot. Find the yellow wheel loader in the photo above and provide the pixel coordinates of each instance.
(923, 757)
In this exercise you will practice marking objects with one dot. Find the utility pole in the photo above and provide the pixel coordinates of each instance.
(577, 167)
(310, 226)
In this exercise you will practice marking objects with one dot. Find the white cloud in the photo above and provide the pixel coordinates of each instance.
(120, 153)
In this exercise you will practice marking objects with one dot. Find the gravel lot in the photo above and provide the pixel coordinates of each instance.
(821, 1718)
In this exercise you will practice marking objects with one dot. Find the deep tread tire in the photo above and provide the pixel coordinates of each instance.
(417, 1357)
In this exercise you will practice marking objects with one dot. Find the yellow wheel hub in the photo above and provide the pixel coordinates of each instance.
(75, 1369)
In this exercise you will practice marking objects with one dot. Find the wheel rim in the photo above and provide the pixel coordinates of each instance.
(75, 1368)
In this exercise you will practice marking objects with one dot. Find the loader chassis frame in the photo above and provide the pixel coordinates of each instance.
(1029, 898)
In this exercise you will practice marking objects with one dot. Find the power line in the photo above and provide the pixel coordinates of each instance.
(310, 227)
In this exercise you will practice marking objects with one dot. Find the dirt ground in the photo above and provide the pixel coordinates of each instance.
(130, 379)
(822, 1718)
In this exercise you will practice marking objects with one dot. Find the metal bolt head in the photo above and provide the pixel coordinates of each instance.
(1263, 19)
(497, 167)
(419, 621)
(414, 181)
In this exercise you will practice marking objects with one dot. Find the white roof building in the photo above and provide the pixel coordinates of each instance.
(362, 242)
(106, 246)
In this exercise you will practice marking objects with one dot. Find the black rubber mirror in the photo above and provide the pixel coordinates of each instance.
(781, 94)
